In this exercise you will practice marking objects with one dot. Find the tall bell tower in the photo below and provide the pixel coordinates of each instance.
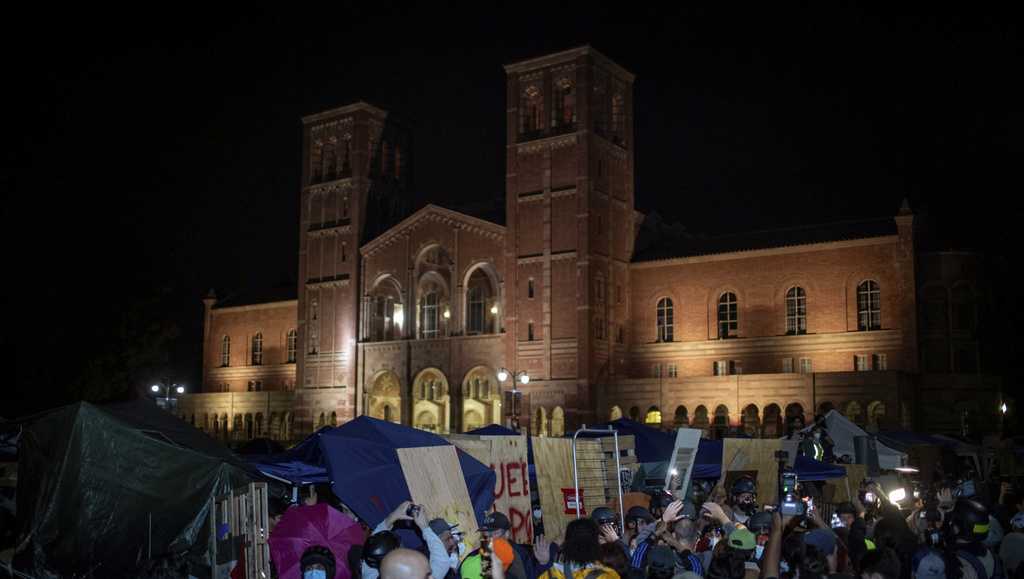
(571, 226)
(355, 178)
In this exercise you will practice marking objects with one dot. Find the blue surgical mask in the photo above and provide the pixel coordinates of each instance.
(315, 574)
(758, 551)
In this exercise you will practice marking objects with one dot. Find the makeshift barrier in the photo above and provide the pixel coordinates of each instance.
(435, 480)
(507, 457)
(239, 524)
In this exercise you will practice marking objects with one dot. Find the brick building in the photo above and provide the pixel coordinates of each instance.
(410, 317)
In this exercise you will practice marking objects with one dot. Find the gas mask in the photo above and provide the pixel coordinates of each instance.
(747, 507)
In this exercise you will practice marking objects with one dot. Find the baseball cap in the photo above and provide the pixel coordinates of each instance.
(441, 526)
(929, 566)
(496, 522)
(742, 539)
(639, 513)
(822, 540)
(662, 557)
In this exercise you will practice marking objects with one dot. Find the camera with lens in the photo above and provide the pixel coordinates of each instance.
(791, 503)
(412, 511)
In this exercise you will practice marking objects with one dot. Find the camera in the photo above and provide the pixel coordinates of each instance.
(412, 511)
(790, 503)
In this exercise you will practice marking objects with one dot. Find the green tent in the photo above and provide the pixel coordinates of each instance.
(104, 489)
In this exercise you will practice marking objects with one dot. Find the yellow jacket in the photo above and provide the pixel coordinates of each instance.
(591, 571)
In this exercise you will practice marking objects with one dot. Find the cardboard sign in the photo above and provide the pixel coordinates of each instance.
(569, 497)
(506, 456)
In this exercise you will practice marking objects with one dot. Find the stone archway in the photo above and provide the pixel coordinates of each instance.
(481, 397)
(431, 396)
(384, 397)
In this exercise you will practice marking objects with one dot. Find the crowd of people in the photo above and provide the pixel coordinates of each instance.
(711, 533)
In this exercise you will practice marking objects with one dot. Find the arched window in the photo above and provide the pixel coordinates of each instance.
(794, 417)
(721, 421)
(290, 345)
(615, 413)
(876, 415)
(796, 311)
(618, 117)
(681, 419)
(634, 413)
(257, 349)
(665, 320)
(481, 304)
(869, 306)
(429, 315)
(334, 419)
(825, 407)
(700, 417)
(563, 112)
(259, 424)
(225, 351)
(751, 421)
(728, 318)
(772, 421)
(388, 413)
(532, 111)
(653, 416)
(249, 432)
(558, 421)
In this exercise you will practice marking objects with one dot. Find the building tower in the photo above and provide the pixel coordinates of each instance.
(355, 176)
(571, 226)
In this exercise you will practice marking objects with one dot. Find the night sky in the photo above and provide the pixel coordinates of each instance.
(157, 156)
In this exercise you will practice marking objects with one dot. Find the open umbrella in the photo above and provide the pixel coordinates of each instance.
(303, 527)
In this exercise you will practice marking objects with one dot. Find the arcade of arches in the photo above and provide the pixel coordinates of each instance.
(770, 422)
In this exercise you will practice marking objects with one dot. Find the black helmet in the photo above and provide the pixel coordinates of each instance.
(760, 523)
(603, 516)
(968, 521)
(661, 500)
(318, 554)
(744, 484)
(639, 513)
(377, 547)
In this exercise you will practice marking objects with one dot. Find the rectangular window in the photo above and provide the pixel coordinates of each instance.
(787, 365)
(290, 346)
(879, 362)
(529, 289)
(529, 331)
(255, 385)
(656, 370)
(735, 367)
(722, 367)
(861, 363)
(672, 372)
(805, 365)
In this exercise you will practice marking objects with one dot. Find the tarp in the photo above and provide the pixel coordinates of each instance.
(904, 439)
(99, 490)
(493, 430)
(809, 469)
(360, 460)
(842, 433)
(651, 444)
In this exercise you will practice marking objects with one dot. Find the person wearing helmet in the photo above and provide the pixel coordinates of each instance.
(965, 530)
(440, 562)
(660, 500)
(317, 562)
(376, 547)
(760, 524)
(743, 497)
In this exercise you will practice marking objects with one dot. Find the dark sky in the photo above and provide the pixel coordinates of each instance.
(162, 151)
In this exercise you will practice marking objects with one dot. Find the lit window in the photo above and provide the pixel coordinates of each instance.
(796, 311)
(257, 349)
(563, 113)
(653, 416)
(656, 370)
(225, 351)
(869, 306)
(429, 312)
(861, 363)
(290, 345)
(805, 365)
(255, 385)
(665, 320)
(532, 110)
(728, 318)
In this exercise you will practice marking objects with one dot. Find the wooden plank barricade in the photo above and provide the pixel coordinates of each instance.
(506, 456)
(435, 480)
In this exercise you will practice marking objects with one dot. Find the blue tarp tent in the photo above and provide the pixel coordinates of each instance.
(708, 462)
(809, 469)
(360, 459)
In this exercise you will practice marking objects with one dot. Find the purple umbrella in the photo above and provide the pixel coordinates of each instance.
(303, 527)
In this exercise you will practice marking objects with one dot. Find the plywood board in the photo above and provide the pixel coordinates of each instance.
(755, 454)
(506, 456)
(553, 461)
(435, 480)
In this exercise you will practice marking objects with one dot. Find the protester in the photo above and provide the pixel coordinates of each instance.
(405, 514)
(318, 563)
(405, 564)
(967, 557)
(743, 499)
(580, 557)
(524, 564)
(445, 532)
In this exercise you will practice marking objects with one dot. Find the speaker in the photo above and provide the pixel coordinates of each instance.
(865, 450)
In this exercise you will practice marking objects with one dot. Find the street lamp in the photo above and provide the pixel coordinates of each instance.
(520, 377)
(167, 387)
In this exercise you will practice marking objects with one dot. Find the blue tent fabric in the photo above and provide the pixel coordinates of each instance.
(904, 439)
(493, 430)
(809, 469)
(360, 459)
(708, 462)
(652, 445)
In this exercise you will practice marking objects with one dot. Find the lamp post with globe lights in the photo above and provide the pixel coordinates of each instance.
(167, 388)
(517, 378)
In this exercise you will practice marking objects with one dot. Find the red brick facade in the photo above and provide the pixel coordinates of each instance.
(413, 324)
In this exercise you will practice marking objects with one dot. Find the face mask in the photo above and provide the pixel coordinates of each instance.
(462, 549)
(453, 560)
(315, 574)
(758, 551)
